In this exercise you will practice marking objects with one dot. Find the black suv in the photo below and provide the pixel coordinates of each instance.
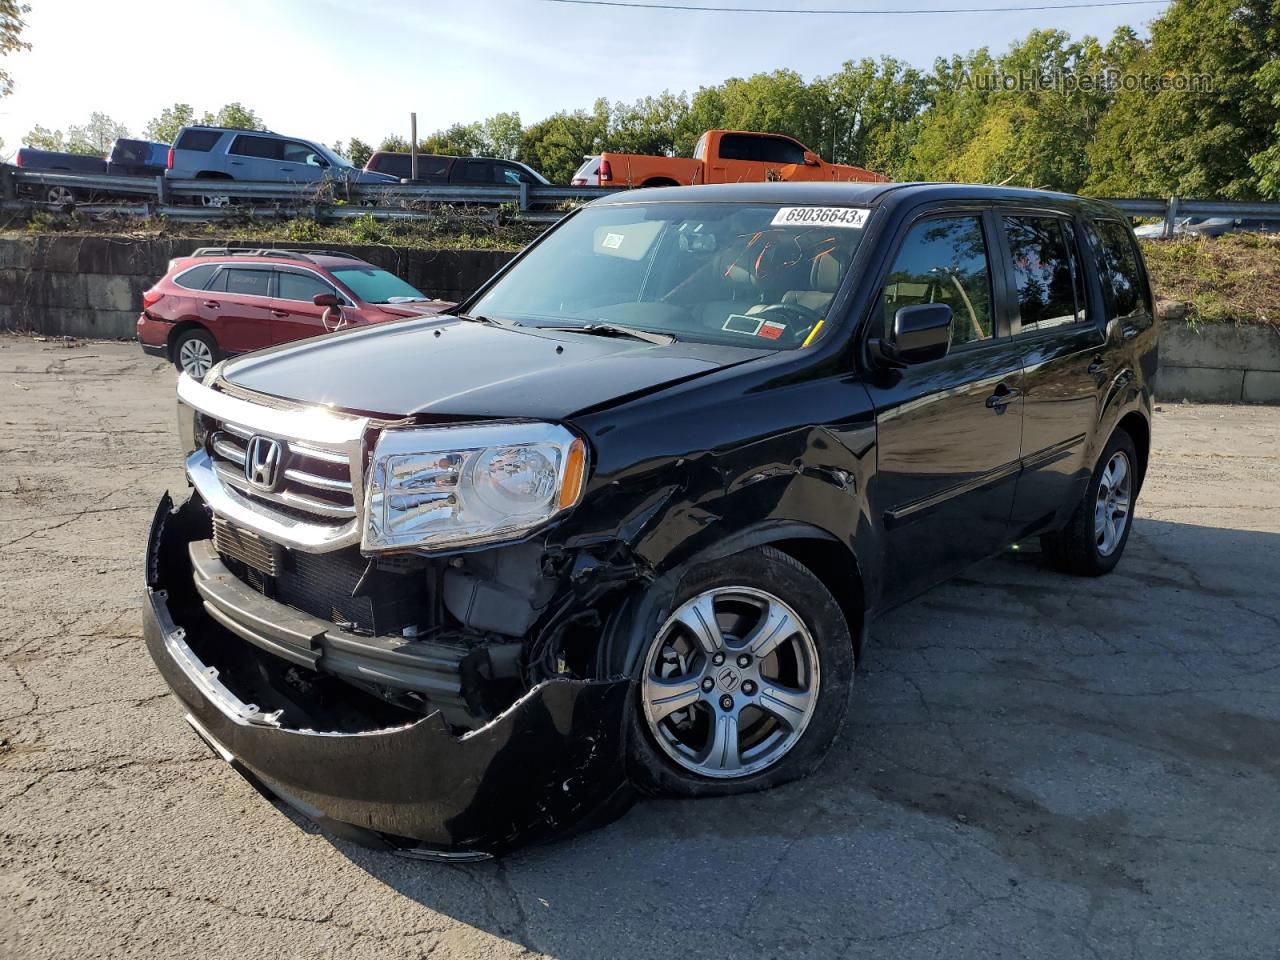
(456, 583)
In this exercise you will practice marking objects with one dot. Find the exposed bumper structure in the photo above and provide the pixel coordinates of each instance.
(549, 763)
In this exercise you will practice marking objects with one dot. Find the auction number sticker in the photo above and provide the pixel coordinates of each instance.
(852, 217)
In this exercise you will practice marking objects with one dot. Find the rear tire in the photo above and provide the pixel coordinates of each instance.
(195, 351)
(753, 700)
(1094, 538)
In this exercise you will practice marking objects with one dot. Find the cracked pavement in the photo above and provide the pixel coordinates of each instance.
(1033, 766)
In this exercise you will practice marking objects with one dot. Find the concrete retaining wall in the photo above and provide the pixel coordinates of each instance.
(91, 286)
(1219, 363)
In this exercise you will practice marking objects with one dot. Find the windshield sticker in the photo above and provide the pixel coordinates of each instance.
(852, 217)
(612, 241)
(772, 329)
(739, 323)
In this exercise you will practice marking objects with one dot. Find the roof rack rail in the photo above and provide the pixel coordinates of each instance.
(282, 252)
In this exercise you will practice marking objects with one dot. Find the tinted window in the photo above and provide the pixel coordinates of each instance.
(944, 261)
(777, 150)
(196, 277)
(477, 171)
(262, 147)
(393, 163)
(1045, 271)
(300, 286)
(1120, 269)
(202, 140)
(250, 282)
(737, 146)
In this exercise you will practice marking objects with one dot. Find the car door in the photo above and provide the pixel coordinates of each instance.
(301, 162)
(294, 314)
(948, 430)
(251, 157)
(237, 308)
(1054, 308)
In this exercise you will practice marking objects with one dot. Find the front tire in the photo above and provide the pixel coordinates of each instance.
(1095, 537)
(746, 682)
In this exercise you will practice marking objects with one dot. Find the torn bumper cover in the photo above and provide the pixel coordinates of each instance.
(550, 763)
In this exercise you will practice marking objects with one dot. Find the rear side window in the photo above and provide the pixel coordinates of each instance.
(392, 163)
(1118, 263)
(263, 148)
(1046, 271)
(742, 146)
(300, 286)
(944, 261)
(736, 146)
(202, 140)
(197, 277)
(256, 283)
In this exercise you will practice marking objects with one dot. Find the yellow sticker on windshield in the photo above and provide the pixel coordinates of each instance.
(852, 217)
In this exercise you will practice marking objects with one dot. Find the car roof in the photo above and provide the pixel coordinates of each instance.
(850, 193)
(328, 259)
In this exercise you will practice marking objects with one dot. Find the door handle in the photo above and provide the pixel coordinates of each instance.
(1002, 398)
(236, 163)
(279, 313)
(212, 304)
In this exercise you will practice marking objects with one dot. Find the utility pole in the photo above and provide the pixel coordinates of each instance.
(413, 146)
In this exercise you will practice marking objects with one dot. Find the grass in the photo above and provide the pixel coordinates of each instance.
(1229, 279)
(452, 229)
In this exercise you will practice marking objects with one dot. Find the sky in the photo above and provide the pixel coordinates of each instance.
(329, 70)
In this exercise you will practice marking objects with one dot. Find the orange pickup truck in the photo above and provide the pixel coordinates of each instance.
(727, 156)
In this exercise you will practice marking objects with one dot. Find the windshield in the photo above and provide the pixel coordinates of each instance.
(760, 275)
(377, 286)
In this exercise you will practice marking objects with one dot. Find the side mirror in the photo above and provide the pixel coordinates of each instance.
(920, 333)
(811, 159)
(325, 299)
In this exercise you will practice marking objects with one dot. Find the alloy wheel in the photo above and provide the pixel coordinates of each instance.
(730, 682)
(61, 195)
(215, 200)
(1111, 512)
(195, 357)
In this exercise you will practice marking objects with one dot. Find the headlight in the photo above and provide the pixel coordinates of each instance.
(441, 487)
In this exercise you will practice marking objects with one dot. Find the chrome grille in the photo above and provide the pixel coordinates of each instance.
(313, 483)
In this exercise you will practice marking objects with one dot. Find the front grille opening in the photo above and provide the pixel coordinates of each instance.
(334, 587)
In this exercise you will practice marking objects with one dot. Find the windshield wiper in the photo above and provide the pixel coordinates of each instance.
(466, 316)
(614, 330)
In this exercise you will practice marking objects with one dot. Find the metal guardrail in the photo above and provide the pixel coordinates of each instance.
(410, 201)
(165, 190)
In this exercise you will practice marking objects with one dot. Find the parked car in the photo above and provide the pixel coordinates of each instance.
(1218, 226)
(453, 170)
(55, 161)
(223, 153)
(727, 156)
(138, 158)
(587, 175)
(622, 520)
(221, 301)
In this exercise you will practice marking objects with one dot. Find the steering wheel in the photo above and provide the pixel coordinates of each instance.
(808, 319)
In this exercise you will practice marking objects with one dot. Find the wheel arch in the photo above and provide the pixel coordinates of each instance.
(827, 557)
(1138, 427)
(182, 327)
(213, 175)
(660, 182)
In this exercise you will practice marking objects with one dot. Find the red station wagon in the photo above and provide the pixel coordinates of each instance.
(221, 301)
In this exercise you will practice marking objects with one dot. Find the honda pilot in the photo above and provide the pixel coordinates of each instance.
(620, 522)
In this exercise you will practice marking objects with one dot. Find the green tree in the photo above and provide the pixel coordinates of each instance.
(358, 152)
(96, 136)
(11, 27)
(502, 134)
(42, 138)
(872, 114)
(1196, 143)
(164, 128)
(1266, 163)
(234, 115)
(555, 146)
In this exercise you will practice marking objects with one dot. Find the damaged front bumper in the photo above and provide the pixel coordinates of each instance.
(548, 764)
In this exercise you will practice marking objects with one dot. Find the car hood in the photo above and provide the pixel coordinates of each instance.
(446, 367)
(416, 308)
